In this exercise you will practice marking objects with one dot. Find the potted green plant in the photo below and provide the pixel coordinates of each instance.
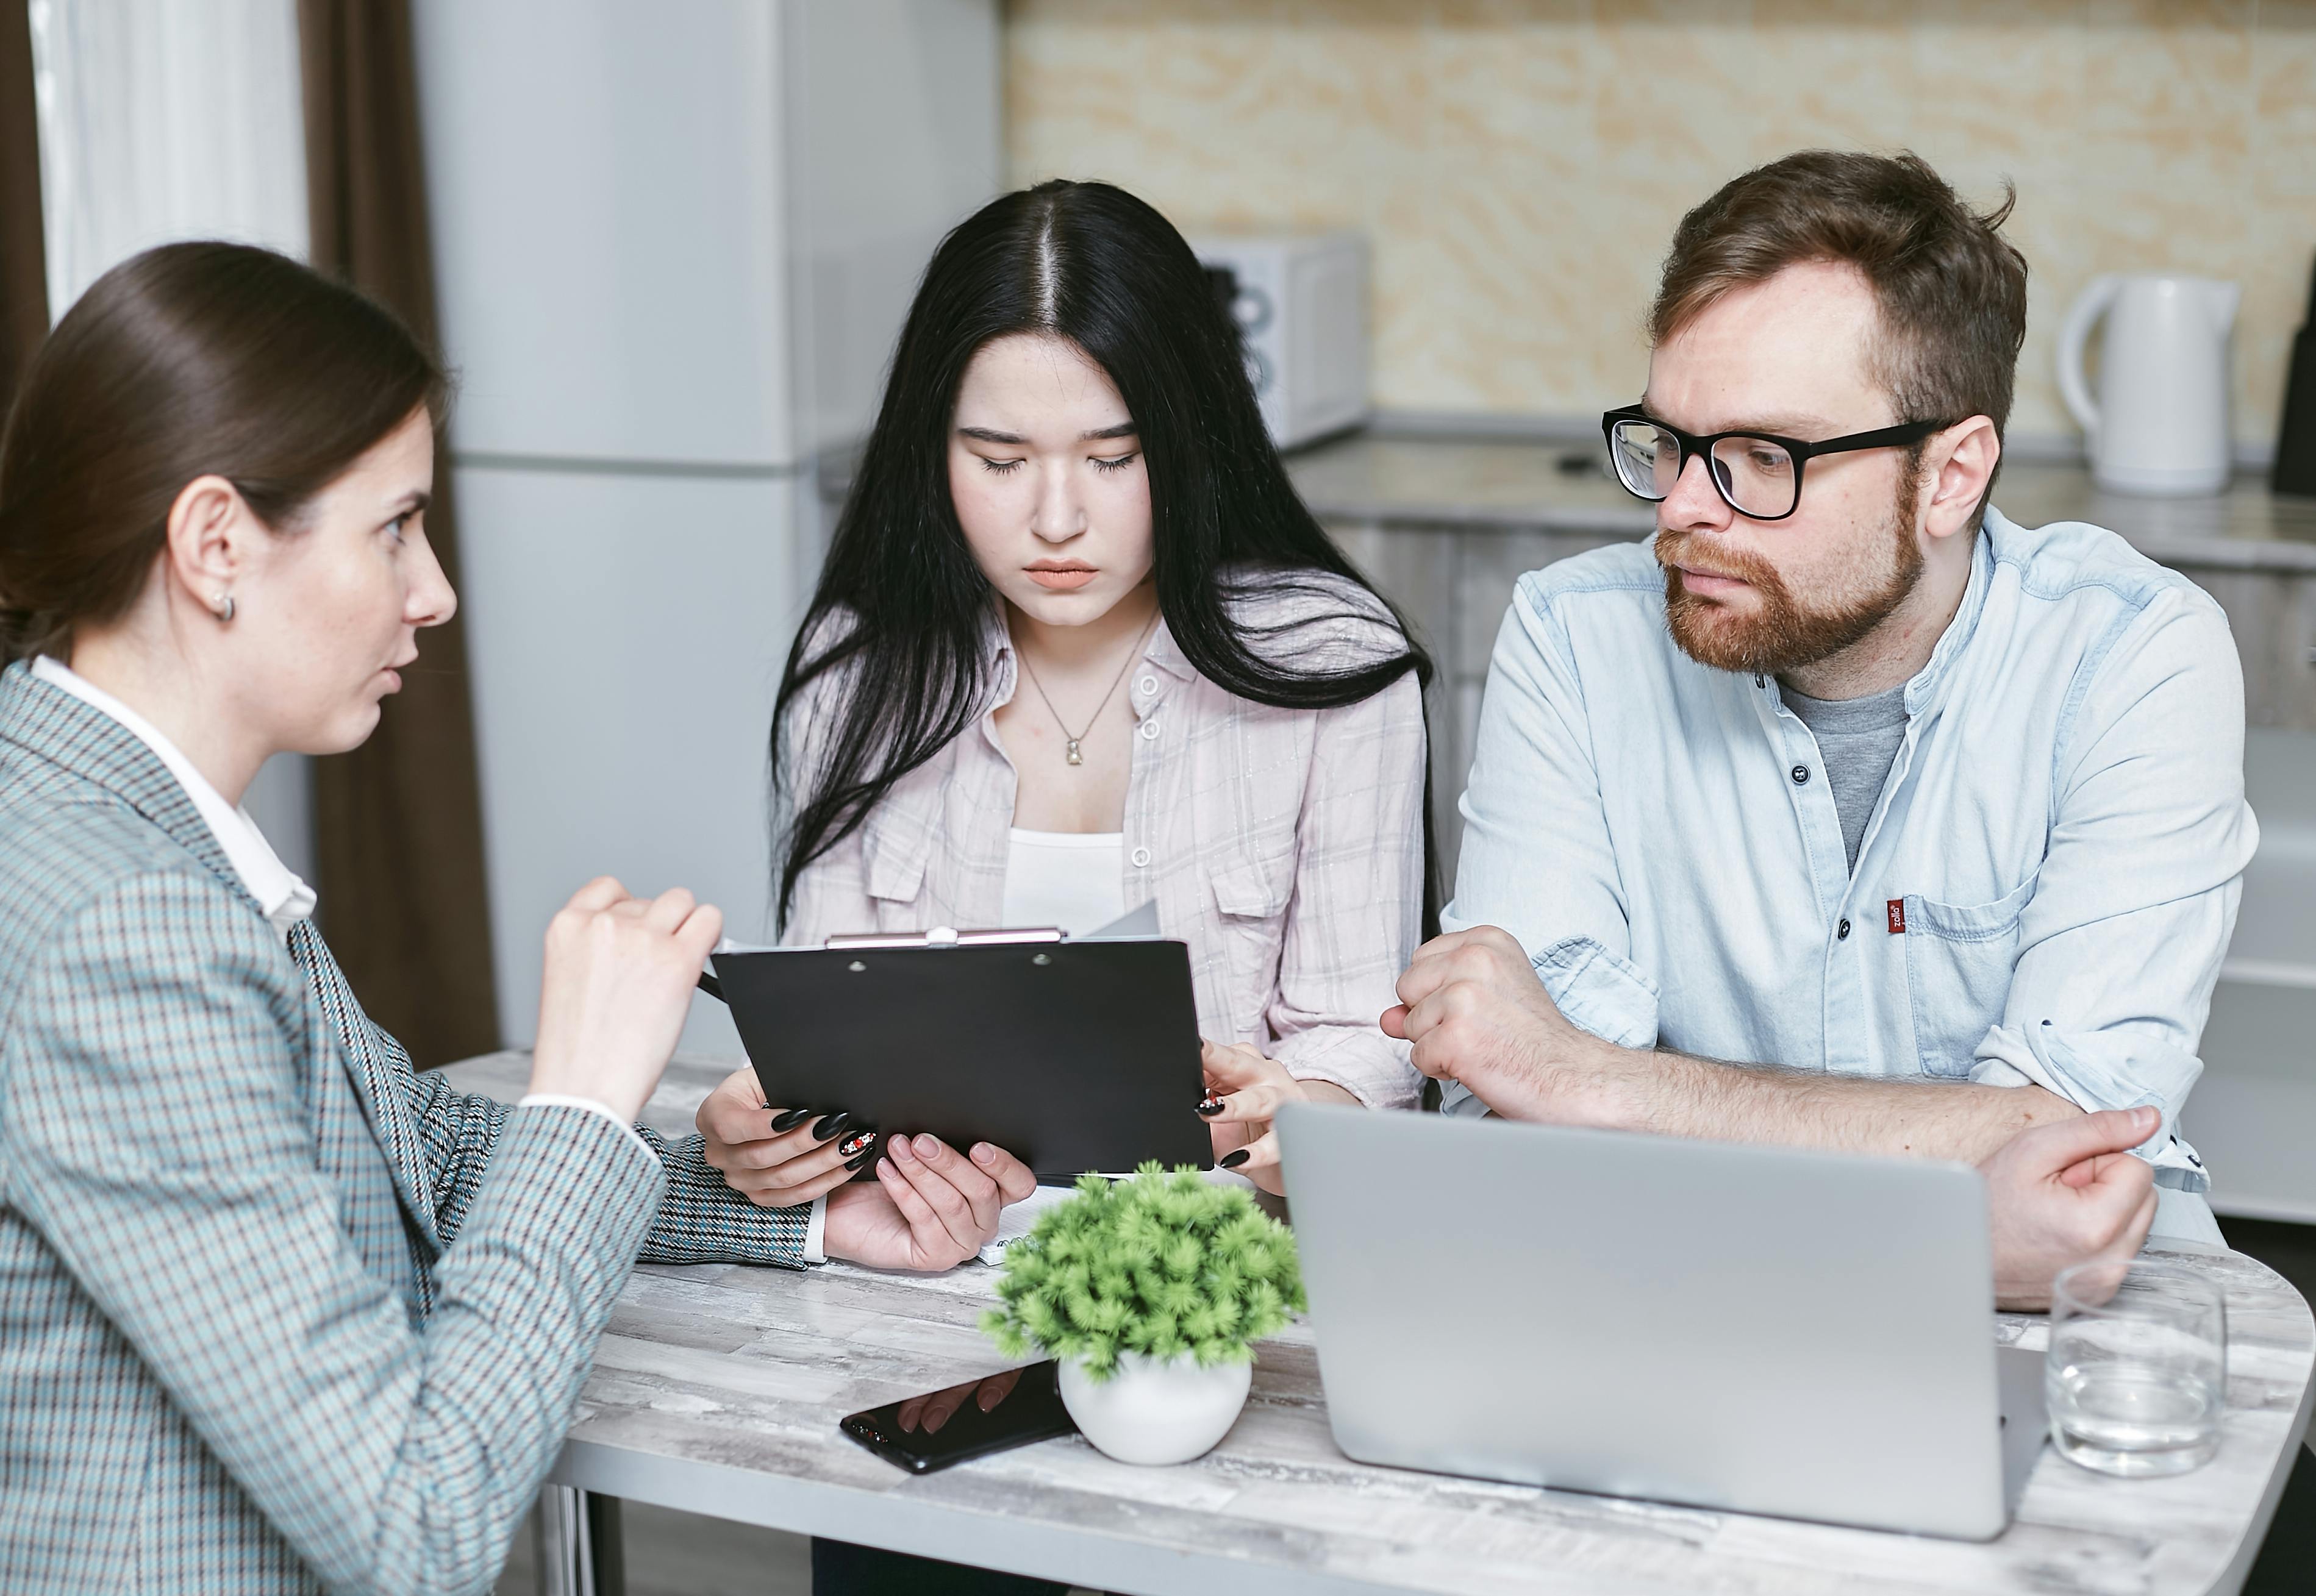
(1149, 1293)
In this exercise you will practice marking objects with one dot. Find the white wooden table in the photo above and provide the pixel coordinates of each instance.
(717, 1390)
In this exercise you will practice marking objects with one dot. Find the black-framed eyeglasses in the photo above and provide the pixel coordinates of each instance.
(1757, 475)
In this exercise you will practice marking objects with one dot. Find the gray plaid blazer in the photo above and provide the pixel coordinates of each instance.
(276, 1313)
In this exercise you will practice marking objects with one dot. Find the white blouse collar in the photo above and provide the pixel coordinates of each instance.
(285, 898)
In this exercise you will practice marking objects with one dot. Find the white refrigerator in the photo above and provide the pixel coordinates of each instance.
(673, 243)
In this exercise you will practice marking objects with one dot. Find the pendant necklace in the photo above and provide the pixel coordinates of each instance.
(1070, 752)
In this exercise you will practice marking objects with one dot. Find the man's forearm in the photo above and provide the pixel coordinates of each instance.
(1675, 1094)
(1478, 1015)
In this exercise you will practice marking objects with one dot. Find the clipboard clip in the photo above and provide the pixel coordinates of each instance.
(944, 937)
(939, 937)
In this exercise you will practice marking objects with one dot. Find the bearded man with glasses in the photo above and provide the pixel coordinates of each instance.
(1845, 812)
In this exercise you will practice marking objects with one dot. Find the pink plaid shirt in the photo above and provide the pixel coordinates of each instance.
(1284, 847)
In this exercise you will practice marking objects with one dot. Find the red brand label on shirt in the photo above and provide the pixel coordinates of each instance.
(1897, 908)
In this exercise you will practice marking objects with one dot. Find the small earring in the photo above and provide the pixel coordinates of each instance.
(225, 608)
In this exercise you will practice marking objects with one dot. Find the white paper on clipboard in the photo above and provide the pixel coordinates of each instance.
(1136, 925)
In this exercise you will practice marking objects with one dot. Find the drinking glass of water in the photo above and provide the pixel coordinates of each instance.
(2138, 1367)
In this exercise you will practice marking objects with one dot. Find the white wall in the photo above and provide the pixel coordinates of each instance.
(894, 123)
(674, 244)
(627, 634)
(606, 189)
(2253, 1115)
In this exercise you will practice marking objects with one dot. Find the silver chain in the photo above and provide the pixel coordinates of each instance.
(1071, 751)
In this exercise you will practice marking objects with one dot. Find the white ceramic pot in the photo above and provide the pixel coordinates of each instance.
(1150, 1412)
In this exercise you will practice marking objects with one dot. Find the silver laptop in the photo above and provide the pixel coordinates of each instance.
(1762, 1329)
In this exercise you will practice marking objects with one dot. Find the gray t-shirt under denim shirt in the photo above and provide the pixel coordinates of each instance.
(1856, 739)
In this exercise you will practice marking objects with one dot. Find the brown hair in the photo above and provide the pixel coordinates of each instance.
(1953, 294)
(188, 360)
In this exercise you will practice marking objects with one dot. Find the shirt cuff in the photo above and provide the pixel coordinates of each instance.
(564, 1100)
(816, 1231)
(1361, 1060)
(1612, 998)
(2098, 1070)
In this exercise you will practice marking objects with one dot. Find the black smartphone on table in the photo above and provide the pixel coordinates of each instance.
(973, 1420)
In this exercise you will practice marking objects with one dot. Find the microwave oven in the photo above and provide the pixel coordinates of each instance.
(1300, 301)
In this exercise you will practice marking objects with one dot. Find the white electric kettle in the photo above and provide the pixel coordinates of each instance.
(2160, 422)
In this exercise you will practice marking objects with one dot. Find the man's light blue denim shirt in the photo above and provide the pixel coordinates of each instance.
(2046, 889)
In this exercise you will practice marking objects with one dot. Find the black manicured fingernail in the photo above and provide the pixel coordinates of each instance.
(791, 1119)
(856, 1163)
(1210, 1105)
(830, 1126)
(1232, 1160)
(858, 1142)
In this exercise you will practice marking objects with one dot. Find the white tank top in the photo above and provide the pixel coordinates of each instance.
(1075, 880)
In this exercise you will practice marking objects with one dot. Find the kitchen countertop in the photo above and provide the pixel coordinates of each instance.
(717, 1389)
(1483, 484)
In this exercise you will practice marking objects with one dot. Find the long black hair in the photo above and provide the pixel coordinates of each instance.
(902, 606)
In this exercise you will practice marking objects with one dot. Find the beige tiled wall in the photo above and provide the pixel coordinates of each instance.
(1518, 166)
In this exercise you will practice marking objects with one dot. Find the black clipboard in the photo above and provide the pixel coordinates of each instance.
(1073, 1056)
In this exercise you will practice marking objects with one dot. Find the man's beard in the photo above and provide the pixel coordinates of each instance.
(1783, 635)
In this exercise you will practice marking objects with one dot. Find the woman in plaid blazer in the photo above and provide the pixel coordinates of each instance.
(276, 1313)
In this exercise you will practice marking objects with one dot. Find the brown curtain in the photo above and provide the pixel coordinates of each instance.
(23, 260)
(397, 823)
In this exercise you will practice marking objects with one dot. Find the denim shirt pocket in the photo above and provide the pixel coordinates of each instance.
(1958, 964)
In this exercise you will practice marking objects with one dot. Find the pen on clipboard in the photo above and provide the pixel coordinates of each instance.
(709, 983)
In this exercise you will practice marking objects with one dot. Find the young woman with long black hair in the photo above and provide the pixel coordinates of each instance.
(1078, 646)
